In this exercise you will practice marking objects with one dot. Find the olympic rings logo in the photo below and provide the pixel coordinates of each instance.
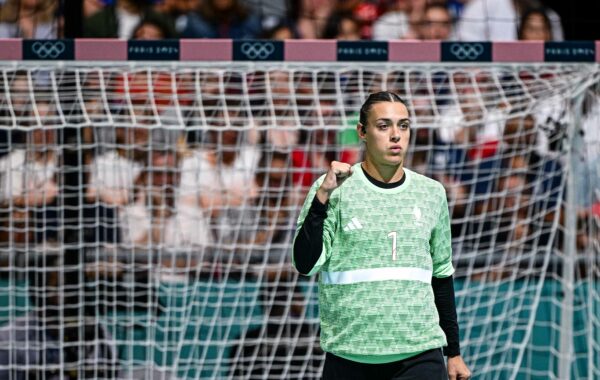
(466, 52)
(48, 49)
(257, 50)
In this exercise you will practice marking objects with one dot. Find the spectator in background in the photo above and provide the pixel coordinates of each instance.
(420, 158)
(281, 31)
(287, 23)
(318, 144)
(468, 134)
(365, 12)
(587, 175)
(91, 7)
(342, 26)
(113, 174)
(521, 139)
(393, 24)
(535, 25)
(223, 19)
(435, 162)
(152, 29)
(588, 171)
(118, 20)
(268, 222)
(28, 183)
(537, 186)
(312, 17)
(503, 218)
(157, 217)
(415, 18)
(20, 92)
(436, 23)
(152, 94)
(29, 19)
(178, 12)
(470, 117)
(280, 114)
(220, 178)
(270, 12)
(498, 20)
(21, 88)
(275, 199)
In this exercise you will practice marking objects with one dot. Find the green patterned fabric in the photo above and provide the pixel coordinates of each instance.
(372, 302)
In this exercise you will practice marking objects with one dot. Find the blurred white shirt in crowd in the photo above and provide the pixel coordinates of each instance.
(223, 191)
(497, 20)
(391, 26)
(19, 174)
(112, 175)
(186, 227)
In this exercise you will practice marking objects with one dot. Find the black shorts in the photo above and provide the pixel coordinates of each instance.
(428, 365)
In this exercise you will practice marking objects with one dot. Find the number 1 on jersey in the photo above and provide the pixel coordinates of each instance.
(393, 235)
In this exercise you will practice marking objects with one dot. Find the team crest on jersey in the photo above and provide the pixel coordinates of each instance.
(418, 216)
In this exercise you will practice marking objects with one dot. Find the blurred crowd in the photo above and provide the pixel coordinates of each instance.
(463, 20)
(186, 159)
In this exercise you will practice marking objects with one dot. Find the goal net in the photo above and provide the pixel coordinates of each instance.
(148, 211)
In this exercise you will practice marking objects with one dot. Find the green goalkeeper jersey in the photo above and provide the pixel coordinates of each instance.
(381, 248)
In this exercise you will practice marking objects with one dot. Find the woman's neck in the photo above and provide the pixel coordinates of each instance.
(383, 173)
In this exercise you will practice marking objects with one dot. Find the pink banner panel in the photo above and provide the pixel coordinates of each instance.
(310, 50)
(597, 51)
(11, 48)
(414, 51)
(100, 49)
(205, 50)
(522, 51)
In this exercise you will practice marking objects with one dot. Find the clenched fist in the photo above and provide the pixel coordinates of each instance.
(336, 175)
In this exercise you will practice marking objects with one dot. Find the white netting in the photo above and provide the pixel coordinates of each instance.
(148, 212)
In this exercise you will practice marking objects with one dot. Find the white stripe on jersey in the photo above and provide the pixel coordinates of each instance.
(376, 274)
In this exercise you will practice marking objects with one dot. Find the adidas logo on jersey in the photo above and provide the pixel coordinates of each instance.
(354, 224)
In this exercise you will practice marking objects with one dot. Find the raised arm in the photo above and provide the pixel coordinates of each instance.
(315, 226)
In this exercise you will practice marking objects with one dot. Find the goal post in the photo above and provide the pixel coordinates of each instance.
(179, 170)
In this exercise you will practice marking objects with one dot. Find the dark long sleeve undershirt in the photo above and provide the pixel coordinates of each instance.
(309, 245)
(309, 242)
(443, 293)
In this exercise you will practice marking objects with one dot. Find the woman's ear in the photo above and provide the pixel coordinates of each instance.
(362, 130)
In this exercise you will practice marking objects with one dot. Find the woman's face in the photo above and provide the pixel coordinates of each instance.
(149, 32)
(535, 28)
(387, 133)
(283, 33)
(437, 24)
(348, 30)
